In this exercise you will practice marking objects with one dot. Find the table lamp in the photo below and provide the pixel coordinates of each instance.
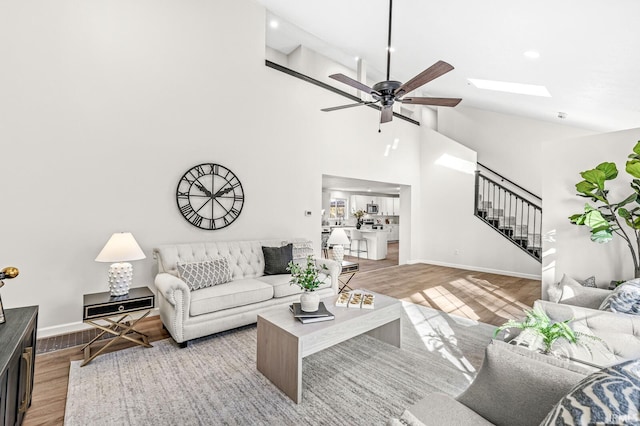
(6, 273)
(120, 248)
(338, 239)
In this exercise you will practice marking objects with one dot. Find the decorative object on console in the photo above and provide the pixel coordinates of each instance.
(338, 239)
(307, 278)
(544, 331)
(604, 220)
(210, 196)
(120, 249)
(358, 215)
(6, 273)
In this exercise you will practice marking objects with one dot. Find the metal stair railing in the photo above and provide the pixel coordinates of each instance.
(510, 214)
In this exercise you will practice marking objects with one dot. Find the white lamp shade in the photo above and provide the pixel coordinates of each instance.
(121, 247)
(338, 236)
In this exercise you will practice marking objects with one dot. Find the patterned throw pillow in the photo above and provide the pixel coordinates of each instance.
(199, 275)
(624, 299)
(301, 249)
(610, 396)
(589, 282)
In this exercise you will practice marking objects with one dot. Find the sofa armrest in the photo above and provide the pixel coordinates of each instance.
(168, 285)
(333, 270)
(587, 297)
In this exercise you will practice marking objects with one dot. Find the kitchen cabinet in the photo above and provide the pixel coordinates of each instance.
(394, 232)
(396, 206)
(17, 359)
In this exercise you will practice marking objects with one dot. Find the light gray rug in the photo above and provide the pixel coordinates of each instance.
(214, 381)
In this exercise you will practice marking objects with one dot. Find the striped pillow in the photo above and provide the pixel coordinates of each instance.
(610, 396)
(624, 299)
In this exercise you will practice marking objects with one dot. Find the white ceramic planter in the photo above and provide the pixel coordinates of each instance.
(309, 301)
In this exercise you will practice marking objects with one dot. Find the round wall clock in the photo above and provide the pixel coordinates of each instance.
(210, 196)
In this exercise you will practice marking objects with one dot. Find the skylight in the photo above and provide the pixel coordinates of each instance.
(503, 86)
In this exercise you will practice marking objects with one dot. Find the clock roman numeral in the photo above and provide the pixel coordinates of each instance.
(184, 195)
(234, 212)
(199, 171)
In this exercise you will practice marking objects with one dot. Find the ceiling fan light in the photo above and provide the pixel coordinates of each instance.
(518, 88)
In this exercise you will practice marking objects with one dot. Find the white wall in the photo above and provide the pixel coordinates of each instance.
(567, 247)
(508, 144)
(450, 234)
(106, 104)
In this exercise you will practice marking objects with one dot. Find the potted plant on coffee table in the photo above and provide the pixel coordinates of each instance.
(538, 323)
(307, 277)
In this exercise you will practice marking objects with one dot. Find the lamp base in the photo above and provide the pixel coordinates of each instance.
(338, 253)
(120, 277)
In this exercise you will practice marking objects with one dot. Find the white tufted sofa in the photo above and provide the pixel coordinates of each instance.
(620, 332)
(189, 314)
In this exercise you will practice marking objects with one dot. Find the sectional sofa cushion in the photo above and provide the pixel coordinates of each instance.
(276, 259)
(508, 375)
(282, 286)
(608, 396)
(199, 275)
(230, 295)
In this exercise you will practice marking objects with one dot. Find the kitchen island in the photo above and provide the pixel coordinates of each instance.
(376, 243)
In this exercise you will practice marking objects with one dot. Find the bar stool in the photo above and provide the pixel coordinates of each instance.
(356, 237)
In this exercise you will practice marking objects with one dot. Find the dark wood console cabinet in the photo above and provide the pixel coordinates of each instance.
(17, 360)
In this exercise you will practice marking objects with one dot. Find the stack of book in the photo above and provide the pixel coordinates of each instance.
(322, 314)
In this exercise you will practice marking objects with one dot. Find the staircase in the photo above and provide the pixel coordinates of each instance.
(510, 214)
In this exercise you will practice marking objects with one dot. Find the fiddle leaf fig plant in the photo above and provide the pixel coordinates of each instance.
(607, 218)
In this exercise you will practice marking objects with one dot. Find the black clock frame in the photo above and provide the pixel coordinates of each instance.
(210, 186)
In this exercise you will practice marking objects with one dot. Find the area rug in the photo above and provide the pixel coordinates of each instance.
(214, 380)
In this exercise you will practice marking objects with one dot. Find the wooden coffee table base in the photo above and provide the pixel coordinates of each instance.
(283, 341)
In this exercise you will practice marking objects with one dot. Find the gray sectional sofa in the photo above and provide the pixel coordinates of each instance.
(189, 313)
(514, 387)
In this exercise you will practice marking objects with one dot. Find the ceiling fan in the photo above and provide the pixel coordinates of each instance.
(389, 91)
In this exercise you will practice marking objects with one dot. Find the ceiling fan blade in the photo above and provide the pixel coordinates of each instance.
(447, 102)
(347, 106)
(353, 83)
(431, 73)
(386, 114)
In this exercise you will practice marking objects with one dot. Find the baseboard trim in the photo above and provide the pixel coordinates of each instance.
(73, 327)
(477, 268)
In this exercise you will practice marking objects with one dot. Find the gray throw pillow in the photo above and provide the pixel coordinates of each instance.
(589, 282)
(276, 259)
(518, 387)
(610, 396)
(624, 299)
(199, 275)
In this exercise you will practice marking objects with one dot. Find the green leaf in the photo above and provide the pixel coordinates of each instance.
(630, 199)
(609, 169)
(585, 187)
(636, 148)
(594, 219)
(602, 236)
(595, 176)
(624, 213)
(577, 219)
(633, 168)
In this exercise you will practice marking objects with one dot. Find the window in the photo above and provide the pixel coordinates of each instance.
(338, 208)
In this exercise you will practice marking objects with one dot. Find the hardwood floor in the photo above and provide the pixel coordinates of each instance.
(480, 296)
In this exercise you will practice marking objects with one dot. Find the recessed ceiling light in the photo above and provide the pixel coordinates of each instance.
(532, 54)
(503, 86)
(396, 141)
(386, 151)
(391, 49)
(273, 23)
(357, 58)
(368, 189)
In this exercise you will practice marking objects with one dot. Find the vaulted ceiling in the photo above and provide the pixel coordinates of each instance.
(589, 50)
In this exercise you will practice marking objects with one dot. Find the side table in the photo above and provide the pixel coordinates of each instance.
(114, 310)
(349, 269)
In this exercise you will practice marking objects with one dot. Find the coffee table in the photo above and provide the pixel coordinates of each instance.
(283, 341)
